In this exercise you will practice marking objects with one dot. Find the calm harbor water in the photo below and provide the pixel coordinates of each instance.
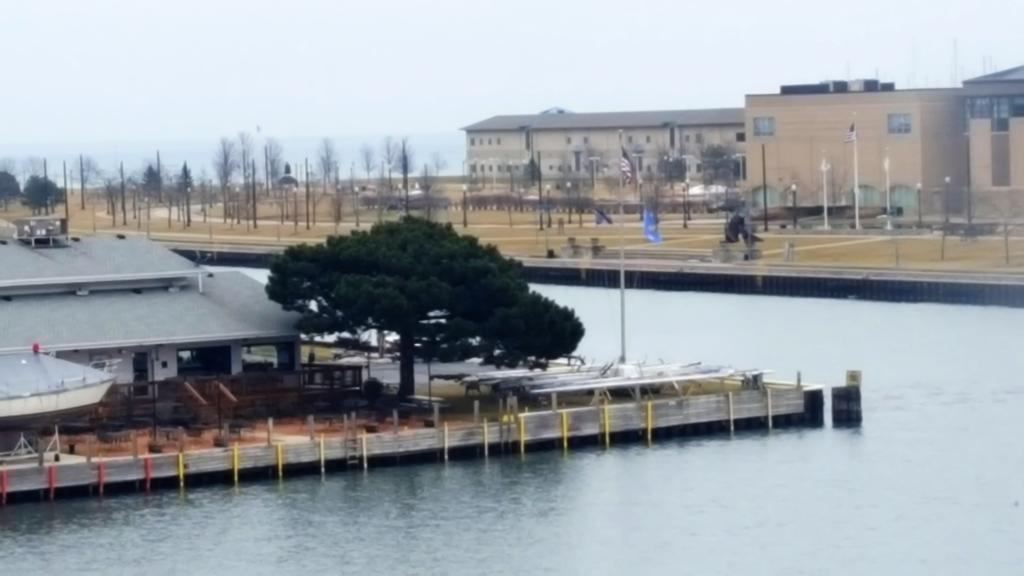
(933, 483)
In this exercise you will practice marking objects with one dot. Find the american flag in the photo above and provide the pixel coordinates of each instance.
(851, 136)
(626, 167)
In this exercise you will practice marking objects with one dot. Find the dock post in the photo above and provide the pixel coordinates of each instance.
(607, 425)
(323, 459)
(181, 470)
(3, 485)
(135, 446)
(732, 413)
(487, 443)
(768, 392)
(437, 413)
(445, 441)
(181, 439)
(366, 457)
(101, 477)
(476, 411)
(311, 423)
(565, 431)
(394, 420)
(88, 450)
(846, 408)
(650, 422)
(234, 462)
(554, 401)
(280, 461)
(51, 480)
(522, 435)
(270, 431)
(147, 472)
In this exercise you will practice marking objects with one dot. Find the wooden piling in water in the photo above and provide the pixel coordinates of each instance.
(732, 413)
(234, 462)
(280, 461)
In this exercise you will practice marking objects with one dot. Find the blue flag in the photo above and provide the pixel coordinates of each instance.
(600, 217)
(651, 227)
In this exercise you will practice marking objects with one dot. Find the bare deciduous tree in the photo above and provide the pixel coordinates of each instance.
(327, 160)
(389, 153)
(275, 162)
(87, 169)
(245, 147)
(406, 160)
(225, 162)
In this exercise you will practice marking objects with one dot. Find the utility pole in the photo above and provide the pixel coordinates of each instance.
(124, 209)
(540, 194)
(81, 178)
(764, 188)
(67, 199)
(255, 211)
(307, 193)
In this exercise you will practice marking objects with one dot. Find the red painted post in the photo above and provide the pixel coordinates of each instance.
(100, 477)
(3, 487)
(51, 477)
(147, 469)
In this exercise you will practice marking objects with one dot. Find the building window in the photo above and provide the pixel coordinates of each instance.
(979, 108)
(899, 124)
(699, 138)
(1017, 107)
(629, 139)
(672, 137)
(488, 141)
(490, 167)
(686, 138)
(472, 141)
(212, 361)
(499, 141)
(647, 139)
(1001, 115)
(764, 126)
(741, 136)
(472, 168)
(268, 357)
(568, 139)
(586, 140)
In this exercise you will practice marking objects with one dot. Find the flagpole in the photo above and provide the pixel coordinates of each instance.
(856, 179)
(622, 269)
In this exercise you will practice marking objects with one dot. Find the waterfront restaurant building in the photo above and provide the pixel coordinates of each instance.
(129, 300)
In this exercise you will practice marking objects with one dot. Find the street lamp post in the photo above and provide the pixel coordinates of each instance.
(825, 167)
(888, 194)
(547, 202)
(792, 190)
(465, 217)
(568, 197)
(920, 221)
(945, 201)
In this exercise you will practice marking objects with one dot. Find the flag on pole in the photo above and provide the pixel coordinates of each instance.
(851, 136)
(626, 167)
(601, 217)
(651, 227)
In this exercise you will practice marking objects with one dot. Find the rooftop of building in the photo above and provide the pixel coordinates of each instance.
(564, 120)
(92, 258)
(165, 300)
(1009, 75)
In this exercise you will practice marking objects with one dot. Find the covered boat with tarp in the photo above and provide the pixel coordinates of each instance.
(37, 389)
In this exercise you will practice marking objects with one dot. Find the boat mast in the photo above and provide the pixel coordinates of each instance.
(622, 268)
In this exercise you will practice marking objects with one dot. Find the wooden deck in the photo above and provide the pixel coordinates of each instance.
(514, 433)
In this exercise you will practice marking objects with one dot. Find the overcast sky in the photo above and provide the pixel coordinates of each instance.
(103, 70)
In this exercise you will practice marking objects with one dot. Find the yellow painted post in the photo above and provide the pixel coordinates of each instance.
(445, 441)
(522, 435)
(366, 457)
(323, 468)
(487, 443)
(607, 427)
(234, 462)
(650, 422)
(181, 470)
(565, 431)
(280, 461)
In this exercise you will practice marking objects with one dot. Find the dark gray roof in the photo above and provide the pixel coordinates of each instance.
(22, 374)
(93, 257)
(232, 306)
(606, 120)
(1008, 75)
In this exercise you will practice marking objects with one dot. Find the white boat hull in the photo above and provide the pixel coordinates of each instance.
(22, 410)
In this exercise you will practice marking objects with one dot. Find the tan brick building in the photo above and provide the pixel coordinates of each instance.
(956, 148)
(587, 145)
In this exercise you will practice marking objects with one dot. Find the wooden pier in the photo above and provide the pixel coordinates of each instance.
(513, 433)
